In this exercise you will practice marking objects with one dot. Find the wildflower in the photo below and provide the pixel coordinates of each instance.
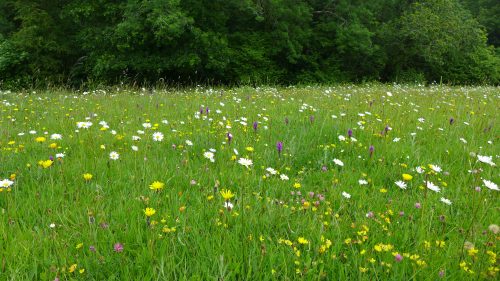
(255, 124)
(135, 148)
(271, 171)
(472, 251)
(87, 176)
(279, 147)
(250, 149)
(55, 137)
(229, 137)
(433, 187)
(245, 162)
(401, 184)
(494, 228)
(118, 247)
(452, 121)
(40, 139)
(491, 185)
(297, 185)
(440, 243)
(349, 133)
(346, 195)
(446, 201)
(60, 155)
(486, 159)
(79, 246)
(371, 149)
(113, 155)
(149, 212)
(72, 268)
(209, 155)
(46, 164)
(302, 241)
(156, 186)
(84, 125)
(398, 257)
(435, 168)
(6, 183)
(228, 205)
(418, 205)
(407, 177)
(157, 136)
(284, 177)
(226, 194)
(338, 162)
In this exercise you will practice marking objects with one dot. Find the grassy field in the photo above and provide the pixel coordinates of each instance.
(371, 182)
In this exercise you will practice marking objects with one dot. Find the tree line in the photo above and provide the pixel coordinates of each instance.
(75, 42)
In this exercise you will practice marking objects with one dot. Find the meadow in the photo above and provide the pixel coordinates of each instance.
(372, 182)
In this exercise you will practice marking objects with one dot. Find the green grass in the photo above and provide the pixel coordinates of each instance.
(259, 238)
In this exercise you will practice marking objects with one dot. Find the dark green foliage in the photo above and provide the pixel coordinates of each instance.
(71, 42)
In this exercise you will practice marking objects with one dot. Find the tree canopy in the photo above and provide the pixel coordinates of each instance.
(72, 42)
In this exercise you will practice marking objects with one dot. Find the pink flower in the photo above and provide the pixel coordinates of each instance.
(398, 257)
(118, 247)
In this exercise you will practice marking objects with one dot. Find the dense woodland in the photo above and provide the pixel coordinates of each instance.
(82, 42)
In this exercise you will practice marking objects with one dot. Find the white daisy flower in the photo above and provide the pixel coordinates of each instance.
(157, 136)
(245, 162)
(486, 159)
(338, 162)
(491, 185)
(228, 205)
(113, 155)
(209, 155)
(346, 195)
(55, 136)
(433, 187)
(446, 201)
(271, 171)
(284, 177)
(6, 183)
(401, 184)
(435, 168)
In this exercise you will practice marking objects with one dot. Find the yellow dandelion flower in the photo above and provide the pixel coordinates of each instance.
(45, 164)
(149, 212)
(250, 149)
(297, 185)
(302, 241)
(156, 185)
(407, 177)
(226, 194)
(40, 139)
(87, 176)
